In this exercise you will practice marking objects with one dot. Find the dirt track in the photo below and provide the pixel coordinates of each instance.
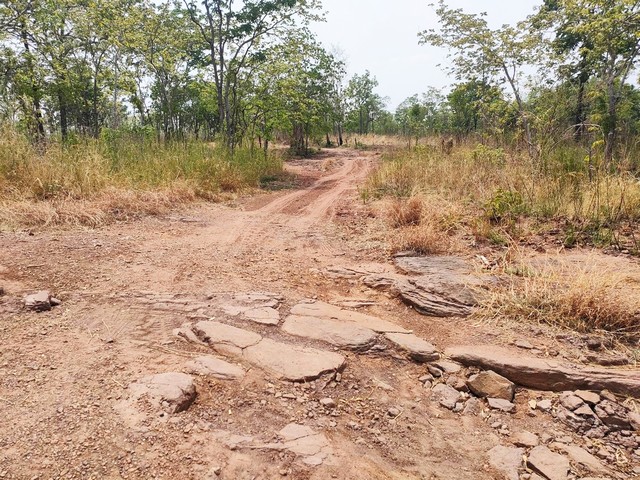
(125, 288)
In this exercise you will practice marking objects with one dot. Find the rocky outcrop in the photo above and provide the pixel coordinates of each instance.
(545, 374)
(440, 286)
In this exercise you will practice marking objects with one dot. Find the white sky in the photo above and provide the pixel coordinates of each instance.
(382, 36)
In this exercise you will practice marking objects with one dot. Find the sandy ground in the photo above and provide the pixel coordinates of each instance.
(124, 289)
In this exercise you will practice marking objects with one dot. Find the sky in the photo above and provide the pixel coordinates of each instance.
(382, 37)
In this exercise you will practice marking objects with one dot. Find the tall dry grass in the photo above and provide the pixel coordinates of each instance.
(501, 192)
(587, 296)
(93, 181)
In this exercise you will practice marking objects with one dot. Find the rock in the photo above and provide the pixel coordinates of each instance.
(425, 378)
(582, 458)
(591, 398)
(490, 384)
(525, 439)
(394, 412)
(441, 286)
(609, 360)
(172, 392)
(214, 367)
(548, 464)
(263, 315)
(573, 421)
(523, 344)
(291, 362)
(613, 415)
(418, 349)
(473, 406)
(328, 402)
(185, 332)
(570, 401)
(447, 367)
(507, 461)
(38, 302)
(457, 383)
(544, 374)
(502, 405)
(544, 405)
(225, 338)
(445, 395)
(314, 448)
(324, 310)
(435, 371)
(339, 333)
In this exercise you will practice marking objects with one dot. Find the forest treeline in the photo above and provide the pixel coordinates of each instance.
(253, 72)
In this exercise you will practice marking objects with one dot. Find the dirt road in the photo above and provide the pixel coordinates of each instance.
(66, 404)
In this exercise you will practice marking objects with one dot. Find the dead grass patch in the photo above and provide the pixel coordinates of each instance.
(585, 297)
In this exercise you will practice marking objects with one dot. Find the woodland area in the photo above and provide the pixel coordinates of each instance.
(149, 95)
(253, 71)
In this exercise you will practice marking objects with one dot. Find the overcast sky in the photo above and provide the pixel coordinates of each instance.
(381, 36)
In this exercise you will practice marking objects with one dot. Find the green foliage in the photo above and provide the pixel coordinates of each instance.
(505, 205)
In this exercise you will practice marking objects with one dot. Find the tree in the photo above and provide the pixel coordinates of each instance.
(605, 35)
(364, 104)
(485, 55)
(233, 34)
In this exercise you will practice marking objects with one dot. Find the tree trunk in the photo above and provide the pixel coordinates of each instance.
(35, 90)
(612, 133)
(64, 122)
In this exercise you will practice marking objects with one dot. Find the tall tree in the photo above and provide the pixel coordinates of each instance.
(480, 53)
(233, 33)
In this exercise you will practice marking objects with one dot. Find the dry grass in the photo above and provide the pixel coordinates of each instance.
(500, 192)
(423, 224)
(587, 297)
(92, 182)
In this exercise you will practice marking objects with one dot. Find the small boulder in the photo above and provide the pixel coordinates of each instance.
(548, 464)
(490, 384)
(544, 405)
(173, 392)
(39, 302)
(328, 402)
(445, 395)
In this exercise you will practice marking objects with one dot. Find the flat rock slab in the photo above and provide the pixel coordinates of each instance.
(291, 362)
(173, 392)
(550, 465)
(582, 458)
(257, 307)
(418, 349)
(507, 461)
(326, 310)
(214, 367)
(441, 286)
(339, 333)
(541, 374)
(225, 338)
(311, 447)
